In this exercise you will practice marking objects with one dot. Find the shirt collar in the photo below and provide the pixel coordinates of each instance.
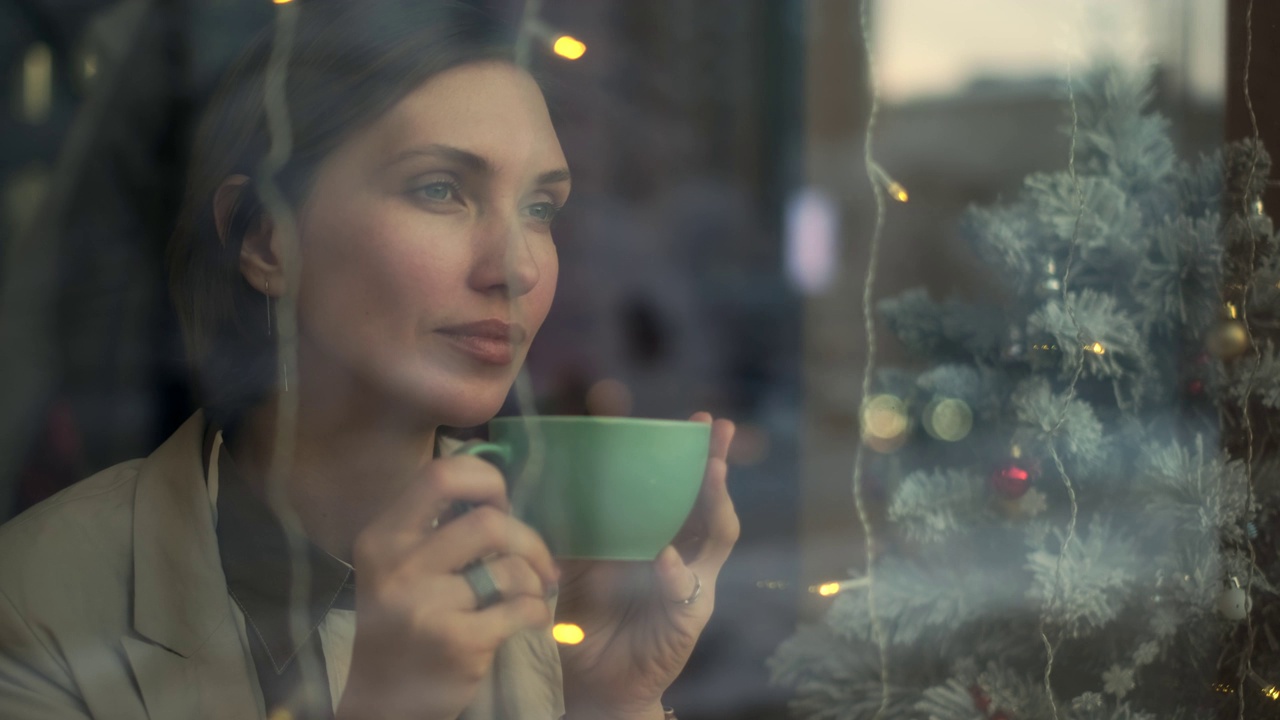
(255, 557)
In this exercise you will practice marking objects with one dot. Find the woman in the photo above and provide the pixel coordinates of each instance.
(422, 179)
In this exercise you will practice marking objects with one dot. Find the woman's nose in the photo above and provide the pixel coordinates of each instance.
(505, 258)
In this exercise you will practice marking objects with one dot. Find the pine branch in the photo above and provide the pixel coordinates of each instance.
(1084, 588)
(932, 506)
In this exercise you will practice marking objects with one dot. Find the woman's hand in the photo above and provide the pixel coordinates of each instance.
(638, 633)
(422, 646)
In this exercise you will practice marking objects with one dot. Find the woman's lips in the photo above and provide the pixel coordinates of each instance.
(492, 341)
(489, 350)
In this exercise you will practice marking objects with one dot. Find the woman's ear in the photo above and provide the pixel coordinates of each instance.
(259, 260)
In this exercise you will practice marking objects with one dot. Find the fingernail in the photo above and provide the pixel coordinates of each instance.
(553, 590)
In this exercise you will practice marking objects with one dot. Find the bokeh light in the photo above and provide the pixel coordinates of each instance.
(948, 419)
(569, 48)
(609, 398)
(567, 633)
(884, 423)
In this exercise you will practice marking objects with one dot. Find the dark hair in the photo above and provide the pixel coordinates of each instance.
(349, 63)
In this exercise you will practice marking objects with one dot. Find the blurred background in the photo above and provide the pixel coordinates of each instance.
(713, 257)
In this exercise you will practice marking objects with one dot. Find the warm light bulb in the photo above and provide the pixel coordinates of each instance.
(567, 633)
(1272, 692)
(898, 192)
(282, 2)
(569, 47)
(1232, 311)
(1097, 348)
(828, 589)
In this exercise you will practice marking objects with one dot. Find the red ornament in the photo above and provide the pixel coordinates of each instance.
(1012, 479)
(981, 700)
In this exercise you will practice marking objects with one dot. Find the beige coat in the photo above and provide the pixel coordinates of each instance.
(113, 605)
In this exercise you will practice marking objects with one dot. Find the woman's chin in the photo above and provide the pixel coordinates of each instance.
(470, 412)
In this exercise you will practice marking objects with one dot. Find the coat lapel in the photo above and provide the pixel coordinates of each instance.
(192, 662)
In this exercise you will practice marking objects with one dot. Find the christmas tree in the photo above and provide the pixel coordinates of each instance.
(1081, 497)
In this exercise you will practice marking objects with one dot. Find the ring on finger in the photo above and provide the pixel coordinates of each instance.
(481, 581)
(697, 590)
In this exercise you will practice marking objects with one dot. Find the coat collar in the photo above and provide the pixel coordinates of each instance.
(175, 550)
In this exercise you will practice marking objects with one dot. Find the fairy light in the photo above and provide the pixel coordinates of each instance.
(535, 30)
(1097, 349)
(892, 187)
(897, 192)
(832, 588)
(569, 47)
(1272, 692)
(282, 2)
(1232, 312)
(567, 633)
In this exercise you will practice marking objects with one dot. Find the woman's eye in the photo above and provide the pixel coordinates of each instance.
(437, 191)
(543, 212)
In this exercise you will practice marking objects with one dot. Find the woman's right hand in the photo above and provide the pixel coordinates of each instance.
(422, 646)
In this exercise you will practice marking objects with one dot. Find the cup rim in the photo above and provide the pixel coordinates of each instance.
(597, 420)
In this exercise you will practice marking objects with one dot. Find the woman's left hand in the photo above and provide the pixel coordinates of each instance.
(638, 632)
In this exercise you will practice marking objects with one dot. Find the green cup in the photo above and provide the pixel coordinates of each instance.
(602, 488)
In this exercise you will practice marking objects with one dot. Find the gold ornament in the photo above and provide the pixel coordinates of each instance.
(1228, 340)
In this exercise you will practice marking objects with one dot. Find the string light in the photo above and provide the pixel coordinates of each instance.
(894, 188)
(1272, 692)
(567, 633)
(829, 589)
(569, 47)
(1097, 348)
(533, 28)
(1232, 311)
(897, 192)
(282, 2)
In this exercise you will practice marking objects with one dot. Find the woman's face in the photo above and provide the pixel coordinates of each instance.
(427, 258)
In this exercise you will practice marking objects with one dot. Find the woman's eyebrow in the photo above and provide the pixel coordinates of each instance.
(554, 176)
(465, 158)
(471, 161)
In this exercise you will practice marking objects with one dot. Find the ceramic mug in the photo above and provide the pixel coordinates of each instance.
(604, 488)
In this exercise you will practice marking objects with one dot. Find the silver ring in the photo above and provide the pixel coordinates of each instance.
(697, 590)
(481, 581)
